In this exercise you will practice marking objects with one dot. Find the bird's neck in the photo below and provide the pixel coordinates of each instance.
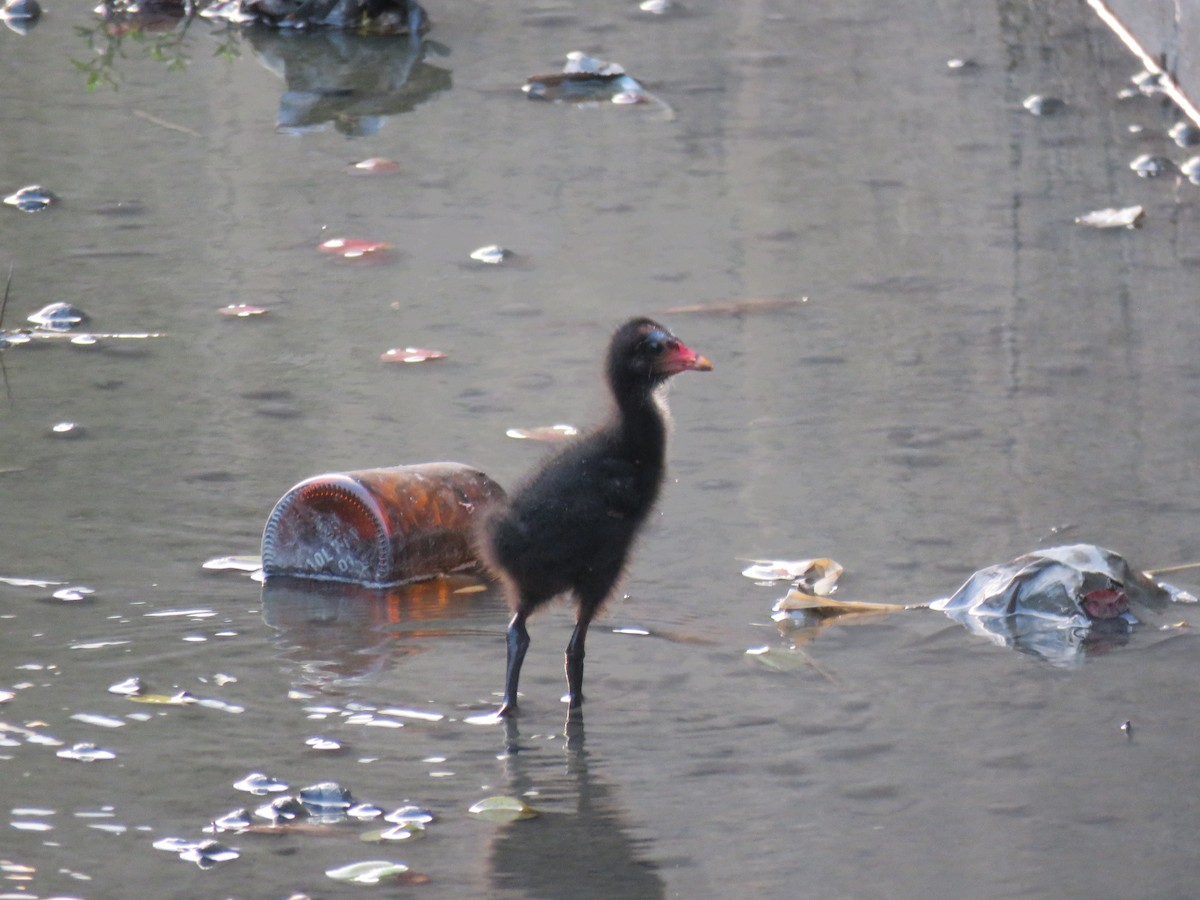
(643, 418)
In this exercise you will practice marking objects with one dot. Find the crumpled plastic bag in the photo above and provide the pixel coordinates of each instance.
(1054, 603)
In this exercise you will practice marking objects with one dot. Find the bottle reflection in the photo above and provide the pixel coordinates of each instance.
(337, 633)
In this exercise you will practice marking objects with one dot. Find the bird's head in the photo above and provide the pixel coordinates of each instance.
(644, 352)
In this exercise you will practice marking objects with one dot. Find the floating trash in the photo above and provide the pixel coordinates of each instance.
(1053, 603)
(68, 430)
(812, 576)
(205, 853)
(404, 832)
(58, 317)
(33, 198)
(1147, 166)
(586, 81)
(1184, 134)
(503, 809)
(657, 7)
(409, 815)
(547, 433)
(98, 720)
(353, 248)
(324, 744)
(20, 15)
(492, 254)
(1040, 105)
(85, 752)
(73, 594)
(242, 311)
(376, 165)
(411, 355)
(237, 563)
(128, 688)
(958, 64)
(326, 799)
(260, 785)
(1126, 217)
(236, 820)
(282, 810)
(183, 698)
(368, 872)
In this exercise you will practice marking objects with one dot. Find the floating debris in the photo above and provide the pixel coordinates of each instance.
(68, 430)
(237, 563)
(409, 815)
(1040, 105)
(242, 311)
(85, 752)
(404, 832)
(411, 355)
(98, 720)
(130, 687)
(282, 811)
(1191, 170)
(260, 785)
(1126, 217)
(958, 64)
(657, 7)
(1127, 729)
(33, 198)
(492, 254)
(20, 15)
(1147, 166)
(59, 317)
(587, 81)
(236, 820)
(503, 809)
(376, 165)
(205, 853)
(326, 745)
(353, 248)
(1184, 134)
(327, 800)
(813, 576)
(368, 872)
(548, 433)
(73, 594)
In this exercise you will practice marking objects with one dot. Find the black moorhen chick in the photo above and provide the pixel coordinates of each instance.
(569, 527)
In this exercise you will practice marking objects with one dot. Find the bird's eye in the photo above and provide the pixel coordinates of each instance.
(655, 347)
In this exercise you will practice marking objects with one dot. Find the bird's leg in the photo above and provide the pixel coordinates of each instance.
(575, 655)
(518, 643)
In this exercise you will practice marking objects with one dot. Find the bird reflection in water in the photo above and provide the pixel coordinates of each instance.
(582, 844)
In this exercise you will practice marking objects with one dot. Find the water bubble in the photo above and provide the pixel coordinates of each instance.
(85, 752)
(259, 784)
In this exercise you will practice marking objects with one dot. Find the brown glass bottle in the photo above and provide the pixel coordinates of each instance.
(378, 526)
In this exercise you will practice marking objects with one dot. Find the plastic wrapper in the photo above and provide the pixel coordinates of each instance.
(1055, 603)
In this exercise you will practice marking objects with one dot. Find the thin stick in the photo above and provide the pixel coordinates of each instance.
(1167, 570)
(4, 302)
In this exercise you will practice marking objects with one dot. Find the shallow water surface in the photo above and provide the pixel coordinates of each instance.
(970, 377)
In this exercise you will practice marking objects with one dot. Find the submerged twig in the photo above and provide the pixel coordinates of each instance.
(1167, 570)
